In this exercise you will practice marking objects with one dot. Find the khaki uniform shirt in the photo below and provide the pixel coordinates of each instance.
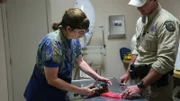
(157, 41)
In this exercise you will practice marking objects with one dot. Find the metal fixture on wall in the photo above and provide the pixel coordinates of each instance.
(116, 26)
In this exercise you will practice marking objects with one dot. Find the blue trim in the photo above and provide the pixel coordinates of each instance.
(51, 64)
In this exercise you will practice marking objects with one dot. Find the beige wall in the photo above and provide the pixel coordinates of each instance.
(57, 8)
(171, 6)
(113, 66)
(3, 76)
(103, 8)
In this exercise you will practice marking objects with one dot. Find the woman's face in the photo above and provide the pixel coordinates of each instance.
(76, 33)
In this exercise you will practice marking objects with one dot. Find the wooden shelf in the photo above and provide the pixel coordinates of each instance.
(126, 61)
(177, 73)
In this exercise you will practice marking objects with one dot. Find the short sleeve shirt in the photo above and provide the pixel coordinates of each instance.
(56, 51)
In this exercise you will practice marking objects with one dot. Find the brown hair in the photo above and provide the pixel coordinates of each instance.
(55, 26)
(75, 18)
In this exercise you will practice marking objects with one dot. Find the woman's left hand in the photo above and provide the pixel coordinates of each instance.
(100, 78)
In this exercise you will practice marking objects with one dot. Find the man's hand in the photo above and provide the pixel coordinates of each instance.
(130, 91)
(100, 78)
(124, 78)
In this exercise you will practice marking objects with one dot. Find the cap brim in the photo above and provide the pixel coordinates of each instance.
(136, 3)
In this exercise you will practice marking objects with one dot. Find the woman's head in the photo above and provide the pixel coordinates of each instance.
(74, 23)
(75, 18)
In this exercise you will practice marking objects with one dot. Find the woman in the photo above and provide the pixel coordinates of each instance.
(57, 54)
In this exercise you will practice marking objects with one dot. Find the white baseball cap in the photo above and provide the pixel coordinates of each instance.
(137, 3)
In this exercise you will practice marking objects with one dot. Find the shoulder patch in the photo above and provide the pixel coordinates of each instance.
(170, 26)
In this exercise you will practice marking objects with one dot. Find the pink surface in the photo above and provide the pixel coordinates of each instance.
(111, 95)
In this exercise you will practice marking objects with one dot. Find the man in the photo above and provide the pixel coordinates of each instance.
(157, 33)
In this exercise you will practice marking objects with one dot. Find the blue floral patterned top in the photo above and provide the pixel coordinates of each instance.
(55, 50)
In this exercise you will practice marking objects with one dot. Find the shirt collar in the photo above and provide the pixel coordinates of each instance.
(154, 13)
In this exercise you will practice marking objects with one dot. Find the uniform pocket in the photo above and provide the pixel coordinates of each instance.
(149, 42)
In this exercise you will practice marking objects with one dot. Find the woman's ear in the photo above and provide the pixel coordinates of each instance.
(68, 29)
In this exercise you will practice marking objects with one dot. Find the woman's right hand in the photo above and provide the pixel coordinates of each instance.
(87, 91)
(124, 78)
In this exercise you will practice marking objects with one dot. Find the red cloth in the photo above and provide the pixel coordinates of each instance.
(111, 95)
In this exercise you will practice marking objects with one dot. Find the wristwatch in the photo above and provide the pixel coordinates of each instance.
(140, 84)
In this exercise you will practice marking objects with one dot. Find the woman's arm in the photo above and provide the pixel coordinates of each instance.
(52, 79)
(86, 68)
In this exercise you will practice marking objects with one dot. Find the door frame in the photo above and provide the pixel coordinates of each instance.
(8, 49)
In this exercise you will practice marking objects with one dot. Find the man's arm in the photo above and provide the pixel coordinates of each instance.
(124, 78)
(133, 59)
(151, 77)
(166, 53)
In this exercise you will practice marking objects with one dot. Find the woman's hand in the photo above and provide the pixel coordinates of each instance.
(87, 91)
(108, 81)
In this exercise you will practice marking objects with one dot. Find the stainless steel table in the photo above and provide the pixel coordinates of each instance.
(115, 87)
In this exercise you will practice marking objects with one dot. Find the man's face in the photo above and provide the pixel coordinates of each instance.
(147, 8)
(2, 1)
